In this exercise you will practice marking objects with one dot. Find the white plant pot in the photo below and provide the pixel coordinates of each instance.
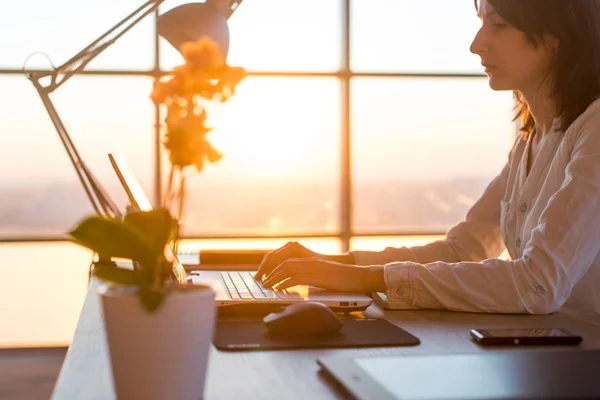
(159, 355)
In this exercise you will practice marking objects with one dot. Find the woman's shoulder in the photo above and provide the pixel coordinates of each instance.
(586, 126)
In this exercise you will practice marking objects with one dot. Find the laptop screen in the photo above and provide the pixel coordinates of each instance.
(139, 201)
(135, 193)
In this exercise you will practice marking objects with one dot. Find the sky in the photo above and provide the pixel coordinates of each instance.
(274, 128)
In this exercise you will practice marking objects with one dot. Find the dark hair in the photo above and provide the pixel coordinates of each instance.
(576, 71)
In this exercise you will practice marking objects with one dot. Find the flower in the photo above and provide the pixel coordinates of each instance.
(204, 52)
(205, 77)
(186, 92)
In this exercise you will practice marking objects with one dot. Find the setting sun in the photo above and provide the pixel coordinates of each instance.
(272, 160)
(264, 133)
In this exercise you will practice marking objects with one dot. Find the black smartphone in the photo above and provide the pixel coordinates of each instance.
(526, 336)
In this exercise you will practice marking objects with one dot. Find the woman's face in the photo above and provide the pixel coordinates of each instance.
(510, 60)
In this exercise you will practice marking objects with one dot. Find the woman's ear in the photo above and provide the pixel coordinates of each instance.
(552, 43)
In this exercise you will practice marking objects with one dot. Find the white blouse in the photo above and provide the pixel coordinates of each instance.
(548, 220)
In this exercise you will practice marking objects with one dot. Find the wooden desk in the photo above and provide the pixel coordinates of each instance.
(86, 372)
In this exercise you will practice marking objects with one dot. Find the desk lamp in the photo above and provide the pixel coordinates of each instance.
(186, 22)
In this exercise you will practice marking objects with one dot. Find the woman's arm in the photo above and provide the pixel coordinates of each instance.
(562, 247)
(474, 239)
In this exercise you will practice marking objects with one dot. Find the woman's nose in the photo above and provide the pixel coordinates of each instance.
(478, 45)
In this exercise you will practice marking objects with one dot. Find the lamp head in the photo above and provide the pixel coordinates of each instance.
(192, 21)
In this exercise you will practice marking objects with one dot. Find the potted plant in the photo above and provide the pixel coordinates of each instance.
(158, 330)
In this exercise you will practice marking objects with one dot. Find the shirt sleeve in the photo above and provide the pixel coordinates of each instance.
(561, 249)
(475, 239)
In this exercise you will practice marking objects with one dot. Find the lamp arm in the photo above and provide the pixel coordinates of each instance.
(101, 202)
(79, 61)
(99, 198)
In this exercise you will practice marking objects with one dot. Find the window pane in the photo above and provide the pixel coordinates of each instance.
(62, 28)
(280, 170)
(414, 35)
(46, 299)
(378, 243)
(424, 150)
(42, 288)
(279, 35)
(41, 194)
(320, 245)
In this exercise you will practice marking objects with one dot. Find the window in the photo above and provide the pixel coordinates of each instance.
(424, 150)
(280, 169)
(61, 28)
(42, 196)
(279, 35)
(284, 135)
(430, 36)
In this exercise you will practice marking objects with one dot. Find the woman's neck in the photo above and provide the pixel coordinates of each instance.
(542, 107)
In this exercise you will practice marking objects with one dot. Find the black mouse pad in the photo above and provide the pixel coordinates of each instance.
(244, 335)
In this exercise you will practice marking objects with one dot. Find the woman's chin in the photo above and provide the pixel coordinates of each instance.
(497, 84)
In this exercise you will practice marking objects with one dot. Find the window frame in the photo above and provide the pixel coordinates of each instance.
(345, 75)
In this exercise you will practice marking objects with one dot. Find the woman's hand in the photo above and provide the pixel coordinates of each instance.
(326, 274)
(273, 258)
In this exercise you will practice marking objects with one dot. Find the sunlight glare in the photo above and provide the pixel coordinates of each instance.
(279, 128)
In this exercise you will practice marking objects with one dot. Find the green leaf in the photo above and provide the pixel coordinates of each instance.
(118, 275)
(111, 238)
(151, 298)
(159, 227)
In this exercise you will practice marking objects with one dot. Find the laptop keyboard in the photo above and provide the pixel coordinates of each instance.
(242, 286)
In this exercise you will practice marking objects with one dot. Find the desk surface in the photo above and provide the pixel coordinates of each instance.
(86, 372)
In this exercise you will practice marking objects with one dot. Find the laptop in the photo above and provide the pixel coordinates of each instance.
(139, 201)
(237, 290)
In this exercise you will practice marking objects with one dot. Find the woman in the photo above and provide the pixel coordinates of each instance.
(544, 206)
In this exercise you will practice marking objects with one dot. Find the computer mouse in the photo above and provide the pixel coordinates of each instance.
(308, 318)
